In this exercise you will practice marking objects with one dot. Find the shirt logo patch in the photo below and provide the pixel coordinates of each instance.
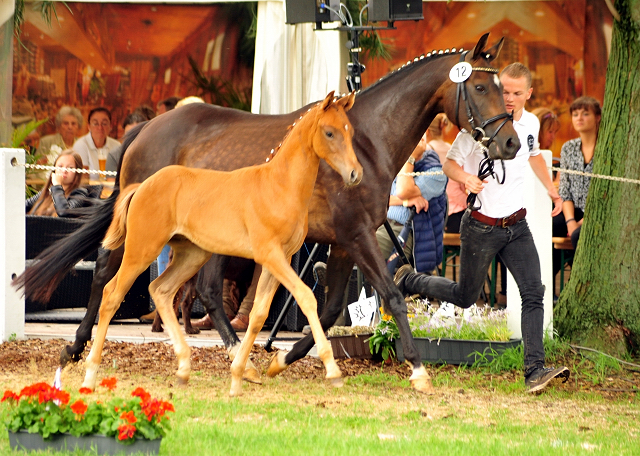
(530, 142)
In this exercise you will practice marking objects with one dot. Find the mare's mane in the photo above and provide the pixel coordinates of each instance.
(413, 64)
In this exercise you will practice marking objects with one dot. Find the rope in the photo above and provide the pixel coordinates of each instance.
(598, 176)
(58, 168)
(553, 168)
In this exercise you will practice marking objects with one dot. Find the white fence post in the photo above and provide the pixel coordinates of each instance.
(12, 238)
(539, 207)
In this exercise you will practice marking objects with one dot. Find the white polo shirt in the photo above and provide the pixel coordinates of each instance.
(86, 148)
(500, 200)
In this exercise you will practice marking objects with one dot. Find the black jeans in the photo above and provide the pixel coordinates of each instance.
(479, 244)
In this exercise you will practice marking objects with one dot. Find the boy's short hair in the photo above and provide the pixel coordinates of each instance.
(517, 70)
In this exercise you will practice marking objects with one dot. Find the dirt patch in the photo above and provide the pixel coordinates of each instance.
(35, 359)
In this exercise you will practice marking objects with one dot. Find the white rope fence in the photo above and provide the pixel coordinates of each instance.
(552, 168)
(421, 173)
(58, 168)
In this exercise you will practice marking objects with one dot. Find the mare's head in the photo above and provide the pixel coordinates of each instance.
(476, 103)
(332, 139)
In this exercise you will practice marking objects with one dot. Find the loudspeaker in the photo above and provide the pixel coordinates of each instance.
(395, 10)
(310, 11)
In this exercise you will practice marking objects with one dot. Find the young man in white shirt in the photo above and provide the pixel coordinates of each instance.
(497, 226)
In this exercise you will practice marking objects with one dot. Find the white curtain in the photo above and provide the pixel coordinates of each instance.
(294, 65)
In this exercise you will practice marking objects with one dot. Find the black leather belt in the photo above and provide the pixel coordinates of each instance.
(503, 222)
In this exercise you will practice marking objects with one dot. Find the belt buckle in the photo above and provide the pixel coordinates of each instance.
(505, 221)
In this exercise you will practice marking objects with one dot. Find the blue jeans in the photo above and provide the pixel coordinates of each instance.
(163, 259)
(479, 244)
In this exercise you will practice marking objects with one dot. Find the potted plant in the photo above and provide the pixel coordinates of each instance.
(447, 333)
(350, 341)
(42, 416)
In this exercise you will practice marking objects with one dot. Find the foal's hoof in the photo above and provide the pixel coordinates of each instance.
(191, 330)
(337, 382)
(277, 364)
(251, 375)
(423, 385)
(183, 382)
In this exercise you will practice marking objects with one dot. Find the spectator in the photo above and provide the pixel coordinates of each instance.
(427, 194)
(166, 105)
(96, 144)
(577, 155)
(499, 227)
(68, 124)
(62, 190)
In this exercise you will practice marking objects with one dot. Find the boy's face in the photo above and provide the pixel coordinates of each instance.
(515, 92)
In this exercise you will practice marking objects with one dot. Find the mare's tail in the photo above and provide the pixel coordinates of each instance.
(118, 230)
(40, 280)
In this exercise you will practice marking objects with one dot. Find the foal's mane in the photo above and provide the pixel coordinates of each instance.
(290, 128)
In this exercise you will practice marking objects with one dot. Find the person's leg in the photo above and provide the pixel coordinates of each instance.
(575, 236)
(479, 243)
(521, 258)
(241, 321)
(559, 229)
(387, 246)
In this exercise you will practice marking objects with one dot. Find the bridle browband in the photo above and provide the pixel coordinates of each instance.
(485, 168)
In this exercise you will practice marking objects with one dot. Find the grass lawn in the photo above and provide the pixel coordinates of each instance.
(476, 411)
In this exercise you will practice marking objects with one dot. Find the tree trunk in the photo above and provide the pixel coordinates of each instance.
(600, 307)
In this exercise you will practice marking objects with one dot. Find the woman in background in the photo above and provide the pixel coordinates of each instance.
(62, 191)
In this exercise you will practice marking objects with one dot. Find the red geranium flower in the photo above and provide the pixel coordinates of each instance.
(126, 431)
(109, 383)
(85, 390)
(79, 407)
(129, 417)
(142, 394)
(8, 394)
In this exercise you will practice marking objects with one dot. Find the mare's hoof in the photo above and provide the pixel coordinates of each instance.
(423, 385)
(251, 375)
(277, 364)
(157, 329)
(183, 382)
(337, 382)
(66, 358)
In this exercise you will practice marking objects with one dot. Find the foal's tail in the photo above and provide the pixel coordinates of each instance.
(118, 229)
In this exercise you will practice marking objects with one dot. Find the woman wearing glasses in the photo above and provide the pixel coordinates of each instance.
(94, 147)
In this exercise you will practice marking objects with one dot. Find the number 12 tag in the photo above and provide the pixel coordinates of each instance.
(460, 72)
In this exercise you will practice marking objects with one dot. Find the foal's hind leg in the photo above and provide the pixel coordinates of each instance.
(114, 293)
(187, 260)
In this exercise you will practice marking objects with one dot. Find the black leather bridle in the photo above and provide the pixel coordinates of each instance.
(485, 168)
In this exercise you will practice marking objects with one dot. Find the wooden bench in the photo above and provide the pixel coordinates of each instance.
(451, 249)
(563, 244)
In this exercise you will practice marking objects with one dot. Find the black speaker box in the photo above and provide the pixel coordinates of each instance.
(395, 10)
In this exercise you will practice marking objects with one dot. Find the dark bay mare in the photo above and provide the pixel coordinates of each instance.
(388, 120)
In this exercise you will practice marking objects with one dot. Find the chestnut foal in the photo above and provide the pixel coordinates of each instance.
(259, 212)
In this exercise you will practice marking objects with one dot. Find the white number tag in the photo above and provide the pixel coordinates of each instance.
(460, 72)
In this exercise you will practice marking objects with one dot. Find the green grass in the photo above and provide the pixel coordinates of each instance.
(378, 414)
(478, 410)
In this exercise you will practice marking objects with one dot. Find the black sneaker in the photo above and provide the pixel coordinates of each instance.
(320, 273)
(540, 378)
(401, 273)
